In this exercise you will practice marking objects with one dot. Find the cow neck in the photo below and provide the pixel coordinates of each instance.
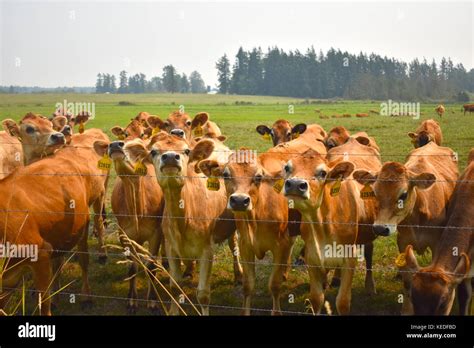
(247, 226)
(133, 189)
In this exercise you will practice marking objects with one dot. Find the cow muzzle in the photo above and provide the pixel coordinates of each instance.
(116, 149)
(384, 229)
(178, 132)
(296, 187)
(240, 202)
(57, 139)
(171, 160)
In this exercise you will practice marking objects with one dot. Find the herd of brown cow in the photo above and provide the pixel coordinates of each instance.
(182, 190)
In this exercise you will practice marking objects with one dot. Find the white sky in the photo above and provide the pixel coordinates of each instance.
(66, 43)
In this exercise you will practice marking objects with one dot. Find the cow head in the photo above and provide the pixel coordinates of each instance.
(281, 131)
(306, 176)
(336, 137)
(433, 288)
(37, 136)
(395, 190)
(242, 176)
(179, 124)
(133, 130)
(420, 139)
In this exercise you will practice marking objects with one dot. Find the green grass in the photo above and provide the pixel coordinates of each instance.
(238, 122)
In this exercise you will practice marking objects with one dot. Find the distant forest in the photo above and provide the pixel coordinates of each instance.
(337, 74)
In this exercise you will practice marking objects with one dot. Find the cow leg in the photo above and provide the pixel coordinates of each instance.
(190, 269)
(248, 265)
(99, 229)
(343, 299)
(369, 277)
(84, 263)
(317, 276)
(281, 258)
(234, 249)
(57, 265)
(132, 291)
(204, 286)
(42, 275)
(464, 296)
(154, 245)
(175, 276)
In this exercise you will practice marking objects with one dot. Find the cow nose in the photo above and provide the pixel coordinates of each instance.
(57, 137)
(381, 230)
(296, 186)
(178, 132)
(170, 158)
(240, 202)
(117, 145)
(66, 130)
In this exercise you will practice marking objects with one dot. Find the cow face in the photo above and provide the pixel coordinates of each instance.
(306, 176)
(336, 137)
(242, 178)
(133, 130)
(420, 139)
(36, 134)
(281, 131)
(395, 190)
(179, 124)
(433, 289)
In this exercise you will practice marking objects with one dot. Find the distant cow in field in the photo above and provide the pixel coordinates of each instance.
(433, 287)
(468, 108)
(340, 135)
(412, 198)
(429, 130)
(440, 110)
(283, 131)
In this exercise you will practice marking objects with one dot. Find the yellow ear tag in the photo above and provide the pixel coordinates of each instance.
(295, 135)
(336, 188)
(121, 137)
(266, 136)
(198, 131)
(367, 192)
(81, 127)
(104, 163)
(140, 168)
(401, 260)
(278, 186)
(155, 131)
(213, 184)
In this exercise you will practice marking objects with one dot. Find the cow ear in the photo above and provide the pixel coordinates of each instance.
(81, 118)
(59, 122)
(210, 168)
(11, 127)
(462, 268)
(342, 169)
(412, 135)
(410, 259)
(364, 177)
(117, 131)
(262, 130)
(470, 157)
(363, 140)
(100, 147)
(200, 119)
(136, 151)
(155, 122)
(300, 128)
(222, 138)
(202, 150)
(423, 181)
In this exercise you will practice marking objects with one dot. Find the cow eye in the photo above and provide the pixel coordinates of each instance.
(226, 175)
(287, 168)
(187, 152)
(30, 129)
(153, 153)
(258, 178)
(403, 196)
(322, 174)
(188, 123)
(288, 135)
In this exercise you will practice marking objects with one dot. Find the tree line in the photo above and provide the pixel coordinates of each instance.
(170, 81)
(341, 74)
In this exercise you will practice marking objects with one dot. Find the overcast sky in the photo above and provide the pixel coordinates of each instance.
(66, 43)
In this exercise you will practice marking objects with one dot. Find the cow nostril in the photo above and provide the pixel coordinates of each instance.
(247, 201)
(164, 157)
(121, 143)
(287, 184)
(232, 199)
(177, 157)
(303, 186)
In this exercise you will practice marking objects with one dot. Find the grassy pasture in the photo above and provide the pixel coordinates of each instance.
(238, 116)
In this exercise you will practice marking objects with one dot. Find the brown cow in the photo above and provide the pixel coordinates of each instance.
(309, 181)
(433, 287)
(340, 135)
(413, 198)
(429, 130)
(180, 124)
(191, 228)
(363, 157)
(137, 202)
(46, 205)
(440, 110)
(468, 108)
(11, 154)
(135, 129)
(283, 131)
(261, 216)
